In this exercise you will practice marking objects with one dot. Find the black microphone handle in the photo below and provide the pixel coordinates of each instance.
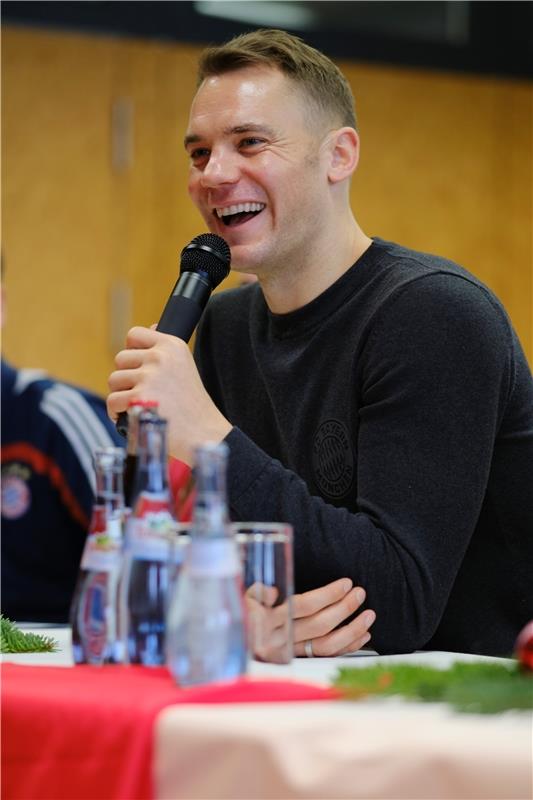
(180, 317)
(185, 305)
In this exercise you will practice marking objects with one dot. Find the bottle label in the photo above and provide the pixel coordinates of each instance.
(101, 553)
(92, 618)
(150, 537)
(210, 558)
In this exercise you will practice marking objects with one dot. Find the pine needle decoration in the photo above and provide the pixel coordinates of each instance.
(478, 687)
(13, 640)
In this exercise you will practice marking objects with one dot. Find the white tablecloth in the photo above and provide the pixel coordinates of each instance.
(368, 749)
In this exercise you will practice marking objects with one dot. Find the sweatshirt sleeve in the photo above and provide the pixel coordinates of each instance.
(436, 375)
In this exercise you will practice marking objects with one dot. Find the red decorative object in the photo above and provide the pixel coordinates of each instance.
(88, 732)
(524, 647)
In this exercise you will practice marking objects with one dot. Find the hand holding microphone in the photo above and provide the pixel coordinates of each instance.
(205, 262)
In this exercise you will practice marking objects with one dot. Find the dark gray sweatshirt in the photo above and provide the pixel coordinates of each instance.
(390, 421)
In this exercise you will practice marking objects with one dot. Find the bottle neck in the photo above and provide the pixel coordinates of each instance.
(152, 457)
(148, 410)
(109, 501)
(133, 432)
(132, 479)
(210, 517)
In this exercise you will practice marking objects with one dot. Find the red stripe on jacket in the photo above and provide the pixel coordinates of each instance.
(44, 465)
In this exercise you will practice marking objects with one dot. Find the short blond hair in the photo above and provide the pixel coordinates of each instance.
(311, 70)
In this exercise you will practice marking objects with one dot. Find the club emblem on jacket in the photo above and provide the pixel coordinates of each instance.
(16, 494)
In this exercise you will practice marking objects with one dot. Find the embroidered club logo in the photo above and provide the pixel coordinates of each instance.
(333, 459)
(16, 496)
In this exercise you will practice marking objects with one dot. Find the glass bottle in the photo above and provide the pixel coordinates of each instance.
(135, 407)
(94, 612)
(206, 638)
(148, 555)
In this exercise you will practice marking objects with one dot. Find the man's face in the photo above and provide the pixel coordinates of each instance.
(257, 170)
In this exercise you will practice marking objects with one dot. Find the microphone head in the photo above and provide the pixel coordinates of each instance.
(209, 255)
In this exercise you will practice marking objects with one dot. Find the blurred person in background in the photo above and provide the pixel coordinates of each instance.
(50, 431)
(375, 397)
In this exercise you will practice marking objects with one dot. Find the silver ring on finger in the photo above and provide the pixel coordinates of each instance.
(308, 648)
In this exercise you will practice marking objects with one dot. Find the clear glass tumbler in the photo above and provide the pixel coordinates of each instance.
(266, 554)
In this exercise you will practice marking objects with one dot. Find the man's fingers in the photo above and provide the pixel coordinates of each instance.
(272, 648)
(346, 639)
(123, 379)
(323, 649)
(328, 618)
(266, 595)
(129, 359)
(356, 645)
(118, 402)
(269, 629)
(141, 337)
(308, 603)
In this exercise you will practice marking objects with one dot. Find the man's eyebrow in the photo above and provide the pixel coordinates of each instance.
(250, 127)
(247, 127)
(191, 138)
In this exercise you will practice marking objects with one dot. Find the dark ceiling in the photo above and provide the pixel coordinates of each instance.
(480, 37)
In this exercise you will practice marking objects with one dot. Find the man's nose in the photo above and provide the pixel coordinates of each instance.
(221, 168)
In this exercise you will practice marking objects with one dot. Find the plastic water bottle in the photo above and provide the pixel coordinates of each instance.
(206, 639)
(149, 568)
(94, 612)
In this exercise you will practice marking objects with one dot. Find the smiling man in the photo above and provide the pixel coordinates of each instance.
(374, 397)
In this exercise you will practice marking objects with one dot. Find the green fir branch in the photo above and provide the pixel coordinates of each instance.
(477, 687)
(13, 640)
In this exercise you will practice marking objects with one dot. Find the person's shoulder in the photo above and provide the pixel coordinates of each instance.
(80, 411)
(9, 376)
(61, 423)
(433, 297)
(413, 264)
(19, 381)
(89, 395)
(423, 274)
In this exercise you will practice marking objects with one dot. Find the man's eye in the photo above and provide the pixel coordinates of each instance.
(251, 141)
(199, 153)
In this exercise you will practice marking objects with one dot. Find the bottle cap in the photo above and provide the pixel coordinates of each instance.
(143, 403)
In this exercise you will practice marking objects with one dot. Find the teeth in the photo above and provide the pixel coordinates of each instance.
(239, 209)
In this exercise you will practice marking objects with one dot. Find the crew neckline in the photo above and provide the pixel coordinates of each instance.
(302, 320)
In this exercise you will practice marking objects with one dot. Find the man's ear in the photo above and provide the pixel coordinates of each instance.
(343, 154)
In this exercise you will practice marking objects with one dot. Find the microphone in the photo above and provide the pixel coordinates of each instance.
(205, 262)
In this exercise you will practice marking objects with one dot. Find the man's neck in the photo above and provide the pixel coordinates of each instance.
(288, 290)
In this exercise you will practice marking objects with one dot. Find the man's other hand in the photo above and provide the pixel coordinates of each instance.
(318, 613)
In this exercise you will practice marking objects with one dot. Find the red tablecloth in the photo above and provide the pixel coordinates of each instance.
(86, 733)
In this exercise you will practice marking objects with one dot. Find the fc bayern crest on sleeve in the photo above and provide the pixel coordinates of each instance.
(333, 463)
(16, 496)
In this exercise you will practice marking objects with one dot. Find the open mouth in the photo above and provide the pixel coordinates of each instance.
(238, 214)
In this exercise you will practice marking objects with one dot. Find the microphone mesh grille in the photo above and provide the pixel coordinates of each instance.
(208, 254)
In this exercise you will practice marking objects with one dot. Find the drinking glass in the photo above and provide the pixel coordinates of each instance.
(266, 553)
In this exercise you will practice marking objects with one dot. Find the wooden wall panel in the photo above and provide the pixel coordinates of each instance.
(446, 167)
(57, 219)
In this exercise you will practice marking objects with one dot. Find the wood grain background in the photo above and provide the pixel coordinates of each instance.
(446, 167)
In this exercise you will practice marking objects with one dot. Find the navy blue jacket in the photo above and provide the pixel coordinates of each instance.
(49, 433)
